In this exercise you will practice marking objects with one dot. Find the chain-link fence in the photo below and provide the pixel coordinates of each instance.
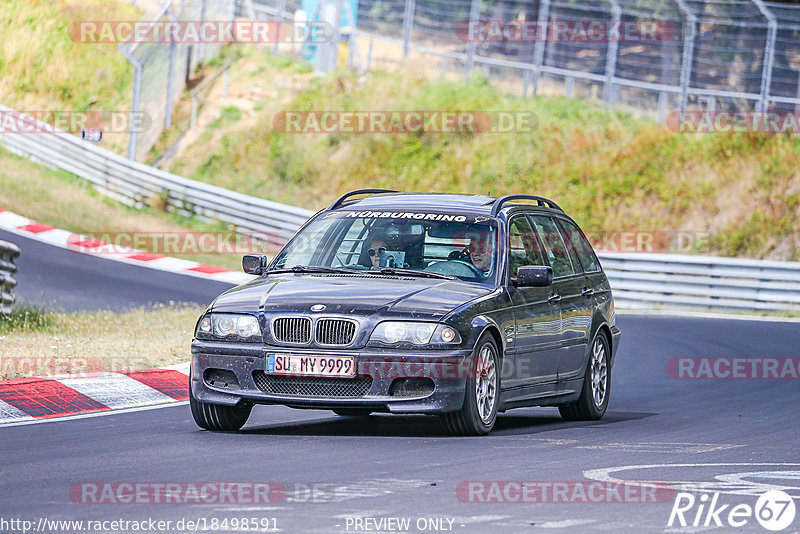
(161, 66)
(656, 55)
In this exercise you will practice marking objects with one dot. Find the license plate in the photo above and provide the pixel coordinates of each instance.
(293, 364)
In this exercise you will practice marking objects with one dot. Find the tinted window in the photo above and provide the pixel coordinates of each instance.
(555, 249)
(579, 246)
(523, 248)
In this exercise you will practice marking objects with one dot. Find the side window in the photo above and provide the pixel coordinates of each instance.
(555, 249)
(580, 246)
(523, 247)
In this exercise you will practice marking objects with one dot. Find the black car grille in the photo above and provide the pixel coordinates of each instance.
(335, 331)
(312, 386)
(292, 329)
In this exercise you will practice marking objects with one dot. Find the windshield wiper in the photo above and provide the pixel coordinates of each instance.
(313, 269)
(411, 272)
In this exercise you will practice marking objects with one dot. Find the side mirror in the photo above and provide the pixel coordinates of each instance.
(254, 264)
(534, 276)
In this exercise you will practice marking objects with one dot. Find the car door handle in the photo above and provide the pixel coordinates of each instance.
(587, 292)
(554, 297)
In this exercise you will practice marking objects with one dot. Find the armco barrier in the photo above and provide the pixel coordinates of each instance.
(135, 184)
(702, 282)
(8, 253)
(638, 280)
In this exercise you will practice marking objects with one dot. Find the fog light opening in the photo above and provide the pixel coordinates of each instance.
(411, 387)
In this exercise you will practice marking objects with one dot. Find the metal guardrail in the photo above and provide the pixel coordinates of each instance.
(638, 280)
(702, 282)
(8, 253)
(136, 184)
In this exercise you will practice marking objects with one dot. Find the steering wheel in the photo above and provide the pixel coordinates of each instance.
(458, 268)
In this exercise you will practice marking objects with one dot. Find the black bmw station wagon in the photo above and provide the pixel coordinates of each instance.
(452, 305)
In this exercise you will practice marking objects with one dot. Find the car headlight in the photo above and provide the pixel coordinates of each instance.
(416, 333)
(229, 325)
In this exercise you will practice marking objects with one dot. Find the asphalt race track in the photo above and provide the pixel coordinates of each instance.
(56, 277)
(341, 473)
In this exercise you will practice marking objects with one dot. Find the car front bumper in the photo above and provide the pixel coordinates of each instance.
(445, 370)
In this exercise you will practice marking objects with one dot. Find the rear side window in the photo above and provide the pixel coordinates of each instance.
(555, 248)
(580, 246)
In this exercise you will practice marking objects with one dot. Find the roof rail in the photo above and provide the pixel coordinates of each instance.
(339, 201)
(497, 204)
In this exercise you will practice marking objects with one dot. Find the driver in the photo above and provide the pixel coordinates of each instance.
(481, 253)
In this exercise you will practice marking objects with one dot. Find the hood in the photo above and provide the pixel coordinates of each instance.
(359, 295)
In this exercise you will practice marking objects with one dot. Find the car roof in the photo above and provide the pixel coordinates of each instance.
(469, 204)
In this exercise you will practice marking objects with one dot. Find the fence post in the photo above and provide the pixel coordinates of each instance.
(688, 52)
(769, 55)
(173, 50)
(136, 102)
(408, 24)
(248, 6)
(201, 48)
(279, 19)
(474, 16)
(337, 23)
(538, 49)
(609, 94)
(662, 106)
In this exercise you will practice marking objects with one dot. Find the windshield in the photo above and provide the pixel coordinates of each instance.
(450, 244)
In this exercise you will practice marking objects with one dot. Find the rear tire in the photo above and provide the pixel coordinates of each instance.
(352, 412)
(481, 398)
(592, 403)
(217, 416)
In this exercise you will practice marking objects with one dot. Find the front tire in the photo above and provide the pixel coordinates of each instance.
(479, 411)
(592, 403)
(217, 416)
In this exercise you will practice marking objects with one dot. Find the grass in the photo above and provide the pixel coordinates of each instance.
(60, 199)
(35, 342)
(41, 63)
(612, 172)
(43, 68)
